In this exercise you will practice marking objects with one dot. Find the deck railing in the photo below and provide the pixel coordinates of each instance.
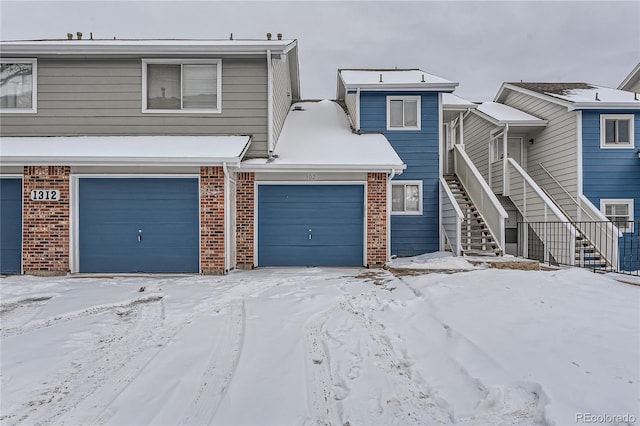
(481, 195)
(585, 254)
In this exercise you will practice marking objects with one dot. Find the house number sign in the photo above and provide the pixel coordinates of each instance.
(45, 195)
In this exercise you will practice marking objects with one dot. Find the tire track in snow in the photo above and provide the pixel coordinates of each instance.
(325, 408)
(220, 368)
(411, 402)
(68, 316)
(18, 311)
(95, 365)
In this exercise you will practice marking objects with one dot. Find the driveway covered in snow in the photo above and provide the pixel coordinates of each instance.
(319, 346)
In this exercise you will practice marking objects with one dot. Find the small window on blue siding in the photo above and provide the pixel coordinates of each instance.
(406, 197)
(619, 212)
(616, 131)
(403, 112)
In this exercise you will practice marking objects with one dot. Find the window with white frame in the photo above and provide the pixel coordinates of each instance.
(616, 131)
(18, 85)
(619, 212)
(406, 197)
(496, 149)
(182, 86)
(403, 112)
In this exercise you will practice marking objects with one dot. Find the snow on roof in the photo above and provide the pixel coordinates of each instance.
(122, 150)
(317, 135)
(451, 100)
(584, 95)
(414, 78)
(505, 114)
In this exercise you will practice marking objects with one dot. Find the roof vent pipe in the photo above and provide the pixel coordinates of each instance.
(422, 81)
(79, 34)
(69, 36)
(91, 36)
(635, 96)
(380, 78)
(231, 36)
(279, 36)
(268, 36)
(597, 98)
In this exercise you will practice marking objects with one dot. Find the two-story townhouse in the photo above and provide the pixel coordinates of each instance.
(406, 107)
(118, 155)
(181, 156)
(579, 165)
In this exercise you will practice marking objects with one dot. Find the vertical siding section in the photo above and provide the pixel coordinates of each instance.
(611, 173)
(476, 142)
(411, 235)
(281, 94)
(104, 97)
(555, 147)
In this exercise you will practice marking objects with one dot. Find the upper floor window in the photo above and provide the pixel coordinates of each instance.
(18, 85)
(188, 86)
(619, 212)
(406, 197)
(403, 112)
(616, 131)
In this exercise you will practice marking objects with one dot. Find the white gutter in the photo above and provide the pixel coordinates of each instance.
(395, 168)
(270, 145)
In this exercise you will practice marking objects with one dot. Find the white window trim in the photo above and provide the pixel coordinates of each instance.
(404, 98)
(218, 108)
(420, 200)
(630, 117)
(627, 201)
(34, 91)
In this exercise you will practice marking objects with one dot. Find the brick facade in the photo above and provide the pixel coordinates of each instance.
(376, 219)
(245, 197)
(212, 220)
(45, 226)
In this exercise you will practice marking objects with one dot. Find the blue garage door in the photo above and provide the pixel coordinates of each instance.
(10, 225)
(310, 225)
(139, 225)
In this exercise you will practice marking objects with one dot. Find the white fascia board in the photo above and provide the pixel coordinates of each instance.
(605, 105)
(633, 76)
(404, 87)
(118, 161)
(265, 167)
(71, 48)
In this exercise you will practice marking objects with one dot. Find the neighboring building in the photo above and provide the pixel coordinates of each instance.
(406, 107)
(563, 152)
(632, 82)
(180, 156)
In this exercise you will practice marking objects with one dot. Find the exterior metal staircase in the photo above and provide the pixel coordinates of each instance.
(476, 238)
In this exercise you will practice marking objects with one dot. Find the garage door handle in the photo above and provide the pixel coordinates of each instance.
(310, 234)
(139, 235)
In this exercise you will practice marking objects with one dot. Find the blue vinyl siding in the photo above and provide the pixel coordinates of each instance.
(411, 235)
(10, 226)
(113, 210)
(333, 213)
(612, 173)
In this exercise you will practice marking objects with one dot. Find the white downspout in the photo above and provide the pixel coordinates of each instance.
(461, 128)
(358, 109)
(505, 171)
(389, 179)
(270, 144)
(227, 219)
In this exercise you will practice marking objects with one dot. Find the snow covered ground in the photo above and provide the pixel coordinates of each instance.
(320, 346)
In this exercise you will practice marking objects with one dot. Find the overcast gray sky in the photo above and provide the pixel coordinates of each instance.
(478, 44)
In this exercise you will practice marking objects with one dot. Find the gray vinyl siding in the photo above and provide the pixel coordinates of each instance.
(350, 99)
(476, 142)
(555, 147)
(281, 95)
(104, 97)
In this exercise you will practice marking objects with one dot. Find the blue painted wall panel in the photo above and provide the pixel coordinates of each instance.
(333, 213)
(10, 226)
(411, 235)
(612, 173)
(113, 210)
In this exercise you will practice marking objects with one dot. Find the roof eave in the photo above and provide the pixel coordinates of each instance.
(249, 167)
(543, 96)
(604, 105)
(117, 161)
(404, 87)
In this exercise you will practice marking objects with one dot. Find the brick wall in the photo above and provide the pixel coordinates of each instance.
(376, 219)
(212, 220)
(45, 227)
(245, 195)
